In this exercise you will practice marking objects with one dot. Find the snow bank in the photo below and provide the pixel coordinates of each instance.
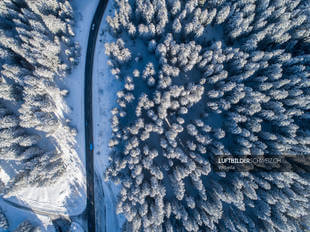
(104, 98)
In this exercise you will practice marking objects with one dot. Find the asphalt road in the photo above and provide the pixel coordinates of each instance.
(88, 112)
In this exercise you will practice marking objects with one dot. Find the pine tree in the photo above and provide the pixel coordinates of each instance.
(4, 224)
(221, 78)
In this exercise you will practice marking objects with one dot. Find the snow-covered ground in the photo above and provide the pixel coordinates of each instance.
(105, 87)
(68, 195)
(16, 216)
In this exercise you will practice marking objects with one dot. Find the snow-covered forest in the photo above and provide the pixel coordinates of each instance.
(36, 52)
(203, 78)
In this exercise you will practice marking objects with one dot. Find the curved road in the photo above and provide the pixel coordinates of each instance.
(88, 112)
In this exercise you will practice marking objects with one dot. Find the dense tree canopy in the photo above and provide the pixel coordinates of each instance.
(203, 78)
(36, 50)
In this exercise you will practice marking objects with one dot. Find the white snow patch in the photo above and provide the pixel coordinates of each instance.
(5, 177)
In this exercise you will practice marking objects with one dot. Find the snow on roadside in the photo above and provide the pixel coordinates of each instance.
(105, 87)
(68, 195)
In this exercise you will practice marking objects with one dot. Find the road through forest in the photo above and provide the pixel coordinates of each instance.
(88, 114)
